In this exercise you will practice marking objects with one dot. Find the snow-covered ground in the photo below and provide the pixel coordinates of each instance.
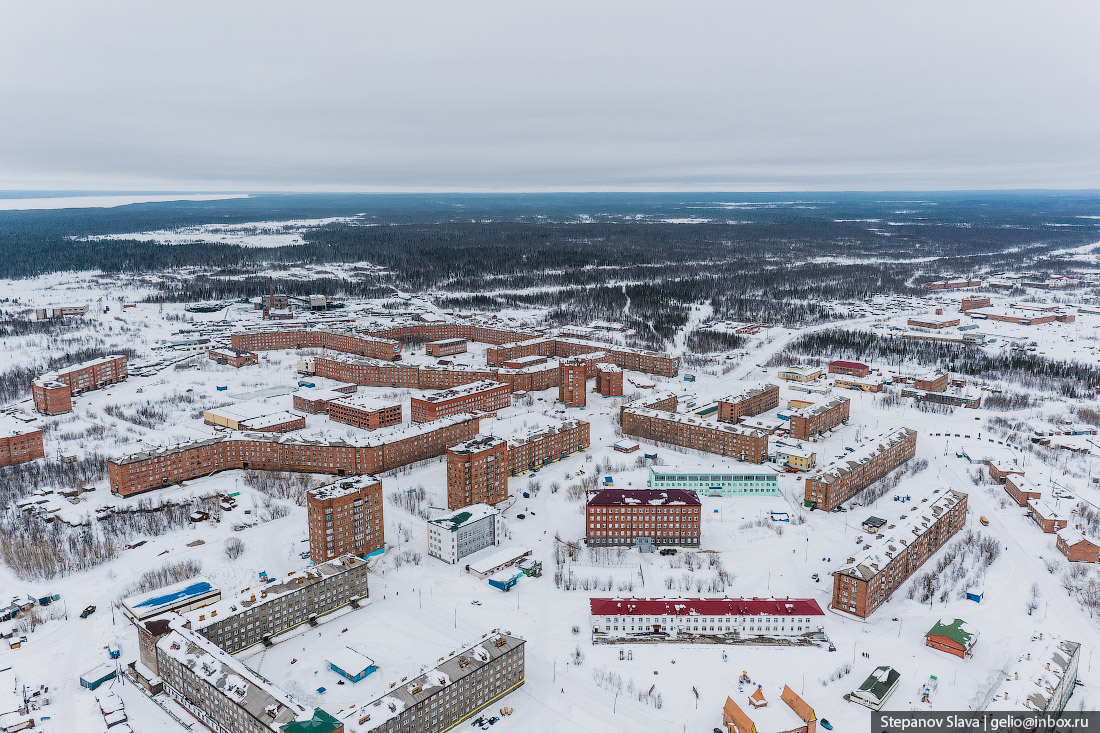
(420, 611)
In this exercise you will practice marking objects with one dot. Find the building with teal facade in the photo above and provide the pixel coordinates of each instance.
(714, 483)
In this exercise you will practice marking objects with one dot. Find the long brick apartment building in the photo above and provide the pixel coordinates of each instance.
(819, 417)
(661, 517)
(662, 425)
(345, 517)
(382, 451)
(481, 396)
(845, 477)
(53, 392)
(349, 342)
(748, 403)
(884, 562)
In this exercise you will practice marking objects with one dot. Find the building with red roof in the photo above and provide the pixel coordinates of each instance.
(849, 368)
(643, 517)
(739, 617)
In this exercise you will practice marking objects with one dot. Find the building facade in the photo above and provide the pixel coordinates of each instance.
(573, 382)
(868, 579)
(481, 396)
(53, 392)
(849, 368)
(464, 532)
(364, 411)
(445, 347)
(233, 357)
(845, 477)
(19, 443)
(734, 617)
(662, 426)
(819, 417)
(454, 691)
(667, 517)
(713, 483)
(748, 403)
(609, 380)
(383, 451)
(1076, 547)
(345, 518)
(477, 472)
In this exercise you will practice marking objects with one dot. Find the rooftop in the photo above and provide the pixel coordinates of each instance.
(455, 521)
(956, 630)
(464, 390)
(879, 551)
(704, 607)
(649, 497)
(867, 451)
(1039, 668)
(343, 487)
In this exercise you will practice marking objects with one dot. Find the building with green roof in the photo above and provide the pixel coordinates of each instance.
(953, 637)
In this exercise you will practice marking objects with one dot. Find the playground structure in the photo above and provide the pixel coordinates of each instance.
(928, 689)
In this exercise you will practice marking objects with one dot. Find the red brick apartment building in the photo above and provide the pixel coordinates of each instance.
(845, 477)
(53, 392)
(364, 411)
(609, 380)
(573, 382)
(1076, 547)
(349, 342)
(849, 368)
(482, 396)
(748, 403)
(1022, 489)
(546, 445)
(391, 448)
(953, 284)
(345, 517)
(664, 517)
(663, 426)
(521, 362)
(315, 401)
(818, 418)
(477, 472)
(507, 344)
(934, 323)
(445, 347)
(884, 562)
(19, 443)
(233, 357)
(969, 304)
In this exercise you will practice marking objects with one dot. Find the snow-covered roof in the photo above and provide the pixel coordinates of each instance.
(1031, 679)
(343, 487)
(879, 553)
(454, 521)
(861, 455)
(704, 607)
(502, 557)
(647, 497)
(1072, 537)
(463, 390)
(451, 669)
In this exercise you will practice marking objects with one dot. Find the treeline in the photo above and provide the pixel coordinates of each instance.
(1068, 378)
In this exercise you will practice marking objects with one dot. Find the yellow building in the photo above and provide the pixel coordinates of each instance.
(799, 373)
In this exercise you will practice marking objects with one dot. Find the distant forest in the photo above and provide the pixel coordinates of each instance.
(627, 257)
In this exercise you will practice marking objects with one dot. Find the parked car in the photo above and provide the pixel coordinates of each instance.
(521, 516)
(826, 724)
(87, 612)
(668, 551)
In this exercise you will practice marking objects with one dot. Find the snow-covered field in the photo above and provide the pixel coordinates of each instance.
(251, 234)
(422, 610)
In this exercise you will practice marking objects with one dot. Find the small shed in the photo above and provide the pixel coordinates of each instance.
(351, 664)
(626, 446)
(97, 675)
(975, 594)
(953, 637)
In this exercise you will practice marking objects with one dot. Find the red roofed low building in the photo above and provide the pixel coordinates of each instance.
(797, 716)
(737, 618)
(849, 368)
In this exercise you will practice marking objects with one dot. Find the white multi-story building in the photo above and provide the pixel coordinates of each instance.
(453, 536)
(630, 617)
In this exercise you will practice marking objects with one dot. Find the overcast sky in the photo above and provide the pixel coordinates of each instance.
(549, 95)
